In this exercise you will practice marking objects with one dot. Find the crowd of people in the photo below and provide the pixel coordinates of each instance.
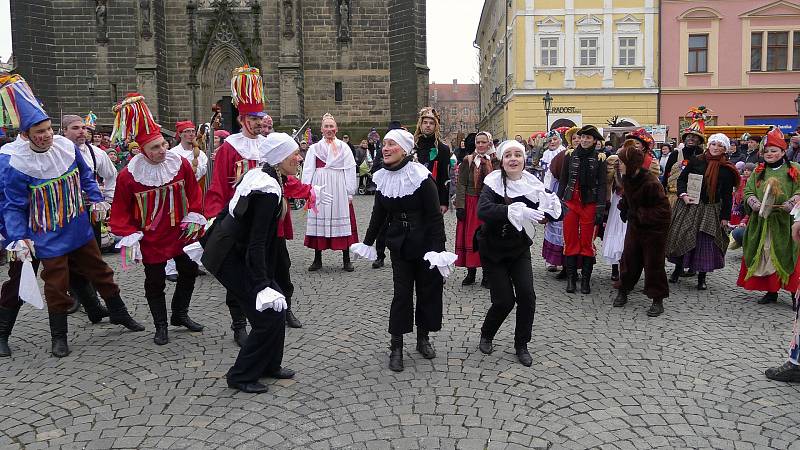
(648, 202)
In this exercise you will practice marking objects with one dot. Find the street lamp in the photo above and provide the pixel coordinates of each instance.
(548, 104)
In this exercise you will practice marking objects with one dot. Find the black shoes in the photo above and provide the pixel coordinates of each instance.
(291, 320)
(162, 335)
(562, 275)
(76, 305)
(118, 314)
(58, 333)
(586, 275)
(251, 388)
(396, 355)
(769, 297)
(571, 267)
(701, 281)
(523, 356)
(486, 346)
(317, 264)
(282, 374)
(378, 263)
(238, 325)
(424, 346)
(621, 299)
(469, 280)
(656, 309)
(181, 319)
(788, 372)
(347, 266)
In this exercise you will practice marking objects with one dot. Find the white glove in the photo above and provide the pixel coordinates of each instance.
(194, 217)
(100, 211)
(22, 250)
(533, 215)
(131, 251)
(442, 261)
(270, 298)
(323, 197)
(360, 250)
(194, 251)
(516, 214)
(130, 240)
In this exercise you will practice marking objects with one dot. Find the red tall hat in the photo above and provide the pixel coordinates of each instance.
(134, 120)
(247, 91)
(775, 139)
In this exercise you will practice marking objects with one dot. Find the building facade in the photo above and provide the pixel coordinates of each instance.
(598, 59)
(739, 58)
(457, 105)
(345, 57)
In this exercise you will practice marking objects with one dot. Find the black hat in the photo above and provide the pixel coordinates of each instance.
(591, 130)
(394, 125)
(469, 142)
(754, 138)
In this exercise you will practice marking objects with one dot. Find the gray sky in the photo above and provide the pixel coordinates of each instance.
(451, 30)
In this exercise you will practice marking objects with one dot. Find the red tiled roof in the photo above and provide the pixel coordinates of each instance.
(445, 92)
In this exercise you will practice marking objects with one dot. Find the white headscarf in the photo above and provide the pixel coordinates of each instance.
(403, 138)
(276, 148)
(509, 145)
(720, 138)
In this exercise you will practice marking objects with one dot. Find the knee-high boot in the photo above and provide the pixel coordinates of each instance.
(317, 264)
(291, 320)
(8, 316)
(58, 334)
(184, 288)
(119, 315)
(571, 266)
(158, 308)
(346, 264)
(586, 275)
(87, 296)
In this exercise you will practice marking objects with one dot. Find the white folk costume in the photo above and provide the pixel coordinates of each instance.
(508, 207)
(553, 243)
(407, 200)
(158, 209)
(331, 164)
(45, 214)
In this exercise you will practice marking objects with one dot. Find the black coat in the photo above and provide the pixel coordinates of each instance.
(442, 175)
(726, 181)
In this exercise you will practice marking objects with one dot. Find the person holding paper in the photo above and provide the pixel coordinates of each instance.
(158, 209)
(45, 214)
(698, 234)
(770, 259)
(408, 198)
(242, 251)
(511, 197)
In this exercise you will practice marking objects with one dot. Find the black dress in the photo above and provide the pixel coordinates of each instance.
(414, 226)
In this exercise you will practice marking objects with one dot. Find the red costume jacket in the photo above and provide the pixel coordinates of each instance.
(229, 166)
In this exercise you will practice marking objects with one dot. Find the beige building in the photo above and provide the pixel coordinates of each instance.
(598, 59)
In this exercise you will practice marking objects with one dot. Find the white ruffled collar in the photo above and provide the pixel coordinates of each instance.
(155, 175)
(16, 147)
(254, 180)
(401, 182)
(529, 187)
(246, 147)
(50, 164)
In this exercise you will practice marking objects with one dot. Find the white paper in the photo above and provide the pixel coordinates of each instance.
(693, 188)
(28, 288)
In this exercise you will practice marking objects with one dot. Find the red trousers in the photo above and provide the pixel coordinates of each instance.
(579, 228)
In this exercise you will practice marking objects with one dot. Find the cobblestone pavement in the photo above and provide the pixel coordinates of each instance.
(602, 376)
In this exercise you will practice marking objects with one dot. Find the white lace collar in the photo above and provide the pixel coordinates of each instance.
(181, 151)
(246, 147)
(514, 188)
(50, 164)
(401, 182)
(16, 147)
(155, 175)
(254, 180)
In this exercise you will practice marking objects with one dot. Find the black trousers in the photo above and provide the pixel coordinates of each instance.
(155, 281)
(282, 274)
(510, 281)
(408, 274)
(262, 353)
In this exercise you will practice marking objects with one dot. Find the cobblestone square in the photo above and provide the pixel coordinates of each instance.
(602, 377)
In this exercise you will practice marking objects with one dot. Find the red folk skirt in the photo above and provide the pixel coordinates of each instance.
(335, 243)
(770, 283)
(465, 230)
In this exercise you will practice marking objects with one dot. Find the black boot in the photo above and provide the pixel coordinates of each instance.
(238, 325)
(788, 372)
(677, 273)
(317, 264)
(701, 281)
(378, 263)
(58, 333)
(657, 308)
(586, 275)
(87, 296)
(524, 356)
(615, 272)
(563, 274)
(184, 288)
(469, 280)
(76, 304)
(118, 314)
(346, 264)
(291, 319)
(7, 319)
(571, 265)
(769, 297)
(424, 345)
(396, 355)
(158, 308)
(621, 299)
(485, 346)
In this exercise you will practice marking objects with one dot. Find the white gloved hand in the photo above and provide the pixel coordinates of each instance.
(533, 215)
(194, 217)
(100, 211)
(22, 250)
(360, 250)
(270, 298)
(516, 214)
(442, 261)
(323, 197)
(130, 240)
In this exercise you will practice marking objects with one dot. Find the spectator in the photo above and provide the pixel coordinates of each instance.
(666, 149)
(794, 147)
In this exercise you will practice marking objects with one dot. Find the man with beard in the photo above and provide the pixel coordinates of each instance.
(238, 154)
(583, 188)
(433, 153)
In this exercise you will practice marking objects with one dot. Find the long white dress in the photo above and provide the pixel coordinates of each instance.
(339, 178)
(614, 237)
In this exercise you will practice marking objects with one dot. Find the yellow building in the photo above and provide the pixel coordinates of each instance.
(598, 59)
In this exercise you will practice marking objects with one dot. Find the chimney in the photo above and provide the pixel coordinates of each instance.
(455, 85)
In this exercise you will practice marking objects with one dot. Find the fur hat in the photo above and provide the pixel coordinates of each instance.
(429, 113)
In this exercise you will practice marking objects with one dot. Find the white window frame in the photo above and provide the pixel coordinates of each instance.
(628, 61)
(589, 27)
(549, 28)
(588, 49)
(550, 49)
(629, 27)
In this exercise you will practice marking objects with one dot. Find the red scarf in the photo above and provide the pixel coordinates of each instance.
(715, 163)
